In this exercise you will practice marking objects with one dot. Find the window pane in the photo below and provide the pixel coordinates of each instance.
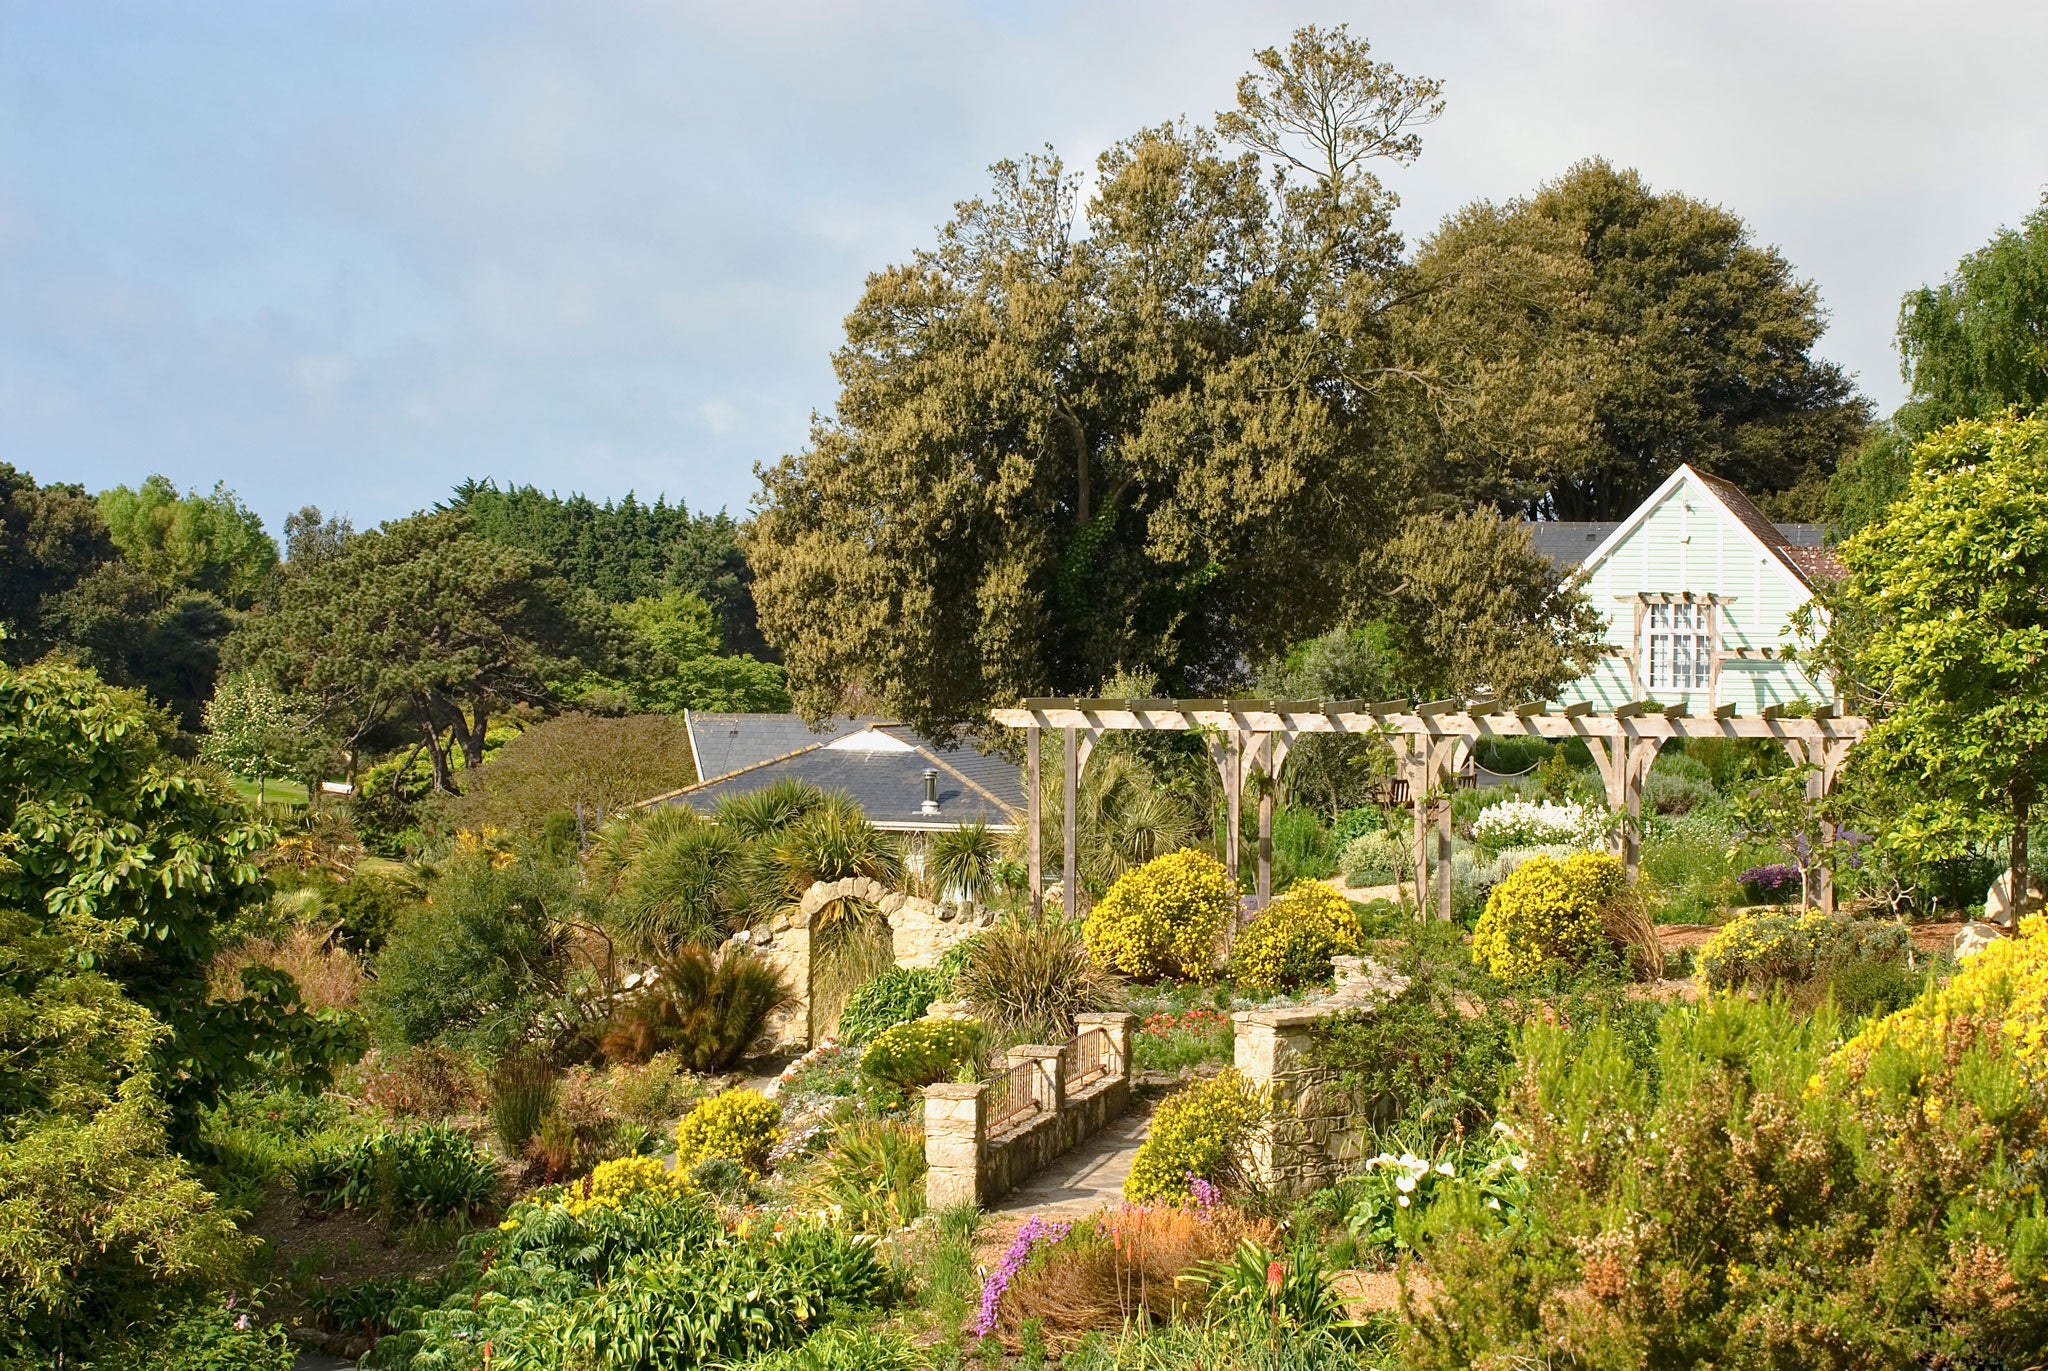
(1682, 674)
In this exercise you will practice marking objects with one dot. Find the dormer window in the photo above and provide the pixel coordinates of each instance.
(1680, 646)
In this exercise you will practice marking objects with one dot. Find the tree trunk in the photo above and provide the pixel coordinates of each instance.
(430, 737)
(1083, 496)
(473, 745)
(2022, 801)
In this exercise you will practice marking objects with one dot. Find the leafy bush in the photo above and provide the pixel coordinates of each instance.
(1547, 910)
(574, 759)
(1199, 1133)
(1377, 857)
(900, 993)
(213, 1335)
(654, 1283)
(1759, 951)
(707, 1008)
(1520, 823)
(1302, 847)
(1164, 917)
(1419, 1059)
(654, 1092)
(844, 1349)
(739, 1124)
(1681, 1216)
(429, 1172)
(429, 1081)
(1666, 792)
(1773, 883)
(912, 1055)
(1026, 980)
(1293, 939)
(1391, 1199)
(873, 1174)
(1355, 823)
(1256, 1293)
(611, 1184)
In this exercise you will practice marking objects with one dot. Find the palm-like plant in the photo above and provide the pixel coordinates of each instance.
(681, 888)
(707, 1007)
(1128, 814)
(1027, 979)
(831, 843)
(961, 862)
(766, 812)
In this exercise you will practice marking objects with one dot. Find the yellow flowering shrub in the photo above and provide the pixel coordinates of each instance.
(1294, 938)
(1780, 948)
(739, 1124)
(613, 1182)
(2002, 991)
(1544, 910)
(1163, 918)
(1198, 1133)
(913, 1054)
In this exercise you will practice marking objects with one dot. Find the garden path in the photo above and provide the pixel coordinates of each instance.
(1088, 1178)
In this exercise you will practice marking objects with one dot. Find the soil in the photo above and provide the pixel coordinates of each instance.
(306, 1251)
(1378, 1292)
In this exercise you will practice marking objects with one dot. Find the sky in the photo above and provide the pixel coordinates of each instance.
(349, 252)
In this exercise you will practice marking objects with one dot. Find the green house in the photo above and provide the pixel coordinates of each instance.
(1698, 588)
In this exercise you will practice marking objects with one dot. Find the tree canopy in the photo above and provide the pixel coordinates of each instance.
(1977, 344)
(1946, 613)
(212, 543)
(422, 622)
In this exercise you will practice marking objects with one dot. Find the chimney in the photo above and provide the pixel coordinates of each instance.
(931, 791)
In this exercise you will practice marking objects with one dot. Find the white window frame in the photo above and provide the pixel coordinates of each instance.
(1678, 645)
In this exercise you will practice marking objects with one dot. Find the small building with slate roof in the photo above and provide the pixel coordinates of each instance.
(1698, 589)
(902, 781)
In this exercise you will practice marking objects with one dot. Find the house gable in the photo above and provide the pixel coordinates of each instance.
(1700, 541)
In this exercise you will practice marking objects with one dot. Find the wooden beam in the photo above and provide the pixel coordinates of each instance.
(1631, 709)
(1724, 711)
(1034, 856)
(1578, 709)
(1070, 820)
(1435, 707)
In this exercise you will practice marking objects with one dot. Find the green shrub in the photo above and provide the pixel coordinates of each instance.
(1353, 823)
(1377, 857)
(1302, 847)
(845, 1349)
(655, 1092)
(1666, 792)
(900, 993)
(1200, 1132)
(212, 1336)
(1163, 918)
(1419, 1059)
(367, 909)
(705, 1007)
(912, 1055)
(1759, 951)
(739, 1124)
(1258, 1294)
(430, 1172)
(1293, 939)
(1028, 979)
(1547, 910)
(873, 1173)
(522, 1093)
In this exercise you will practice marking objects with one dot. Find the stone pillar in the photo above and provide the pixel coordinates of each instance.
(1119, 1029)
(955, 1132)
(1049, 1081)
(788, 948)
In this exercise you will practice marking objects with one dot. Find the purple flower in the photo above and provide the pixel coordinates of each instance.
(1205, 1195)
(1034, 1232)
(1770, 879)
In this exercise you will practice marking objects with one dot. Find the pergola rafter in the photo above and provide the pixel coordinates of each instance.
(1431, 741)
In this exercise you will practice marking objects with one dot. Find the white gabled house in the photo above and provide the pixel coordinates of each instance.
(1698, 588)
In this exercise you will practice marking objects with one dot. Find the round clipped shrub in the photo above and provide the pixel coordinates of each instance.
(1162, 919)
(739, 1124)
(1293, 940)
(898, 994)
(610, 1184)
(912, 1055)
(1546, 910)
(1198, 1134)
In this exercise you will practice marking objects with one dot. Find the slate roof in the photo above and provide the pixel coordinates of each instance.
(1800, 546)
(724, 743)
(885, 778)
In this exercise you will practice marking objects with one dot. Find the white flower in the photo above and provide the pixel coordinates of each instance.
(1446, 1169)
(1404, 1185)
(1401, 1200)
(1493, 1204)
(1520, 1163)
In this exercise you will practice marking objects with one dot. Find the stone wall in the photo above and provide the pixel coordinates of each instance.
(967, 1164)
(1317, 1130)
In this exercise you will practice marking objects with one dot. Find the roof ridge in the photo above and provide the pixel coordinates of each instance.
(967, 780)
(704, 781)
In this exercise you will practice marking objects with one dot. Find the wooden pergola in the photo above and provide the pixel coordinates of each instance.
(1431, 743)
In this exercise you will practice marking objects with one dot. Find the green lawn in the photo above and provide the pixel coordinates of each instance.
(274, 792)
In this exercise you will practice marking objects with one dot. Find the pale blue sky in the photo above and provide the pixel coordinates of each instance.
(349, 253)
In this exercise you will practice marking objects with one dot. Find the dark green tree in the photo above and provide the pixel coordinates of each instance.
(1977, 344)
(51, 538)
(425, 624)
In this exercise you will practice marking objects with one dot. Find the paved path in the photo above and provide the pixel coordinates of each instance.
(1087, 1178)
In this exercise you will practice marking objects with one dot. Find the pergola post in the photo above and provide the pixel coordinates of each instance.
(1233, 801)
(1264, 890)
(1070, 824)
(1034, 818)
(1415, 765)
(1441, 757)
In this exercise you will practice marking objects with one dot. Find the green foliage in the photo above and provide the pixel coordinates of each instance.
(429, 1172)
(1027, 980)
(523, 1091)
(1136, 801)
(845, 1349)
(674, 878)
(1245, 1299)
(1765, 951)
(1200, 1132)
(1547, 910)
(707, 1008)
(739, 1124)
(252, 732)
(209, 1334)
(872, 1174)
(671, 660)
(898, 994)
(912, 1055)
(1302, 849)
(1163, 918)
(1944, 618)
(960, 862)
(1293, 939)
(52, 537)
(475, 964)
(570, 760)
(1377, 857)
(1419, 1058)
(212, 543)
(1972, 345)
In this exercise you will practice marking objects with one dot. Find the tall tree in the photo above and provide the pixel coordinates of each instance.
(51, 538)
(420, 621)
(212, 543)
(1945, 617)
(1977, 344)
(1706, 352)
(311, 537)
